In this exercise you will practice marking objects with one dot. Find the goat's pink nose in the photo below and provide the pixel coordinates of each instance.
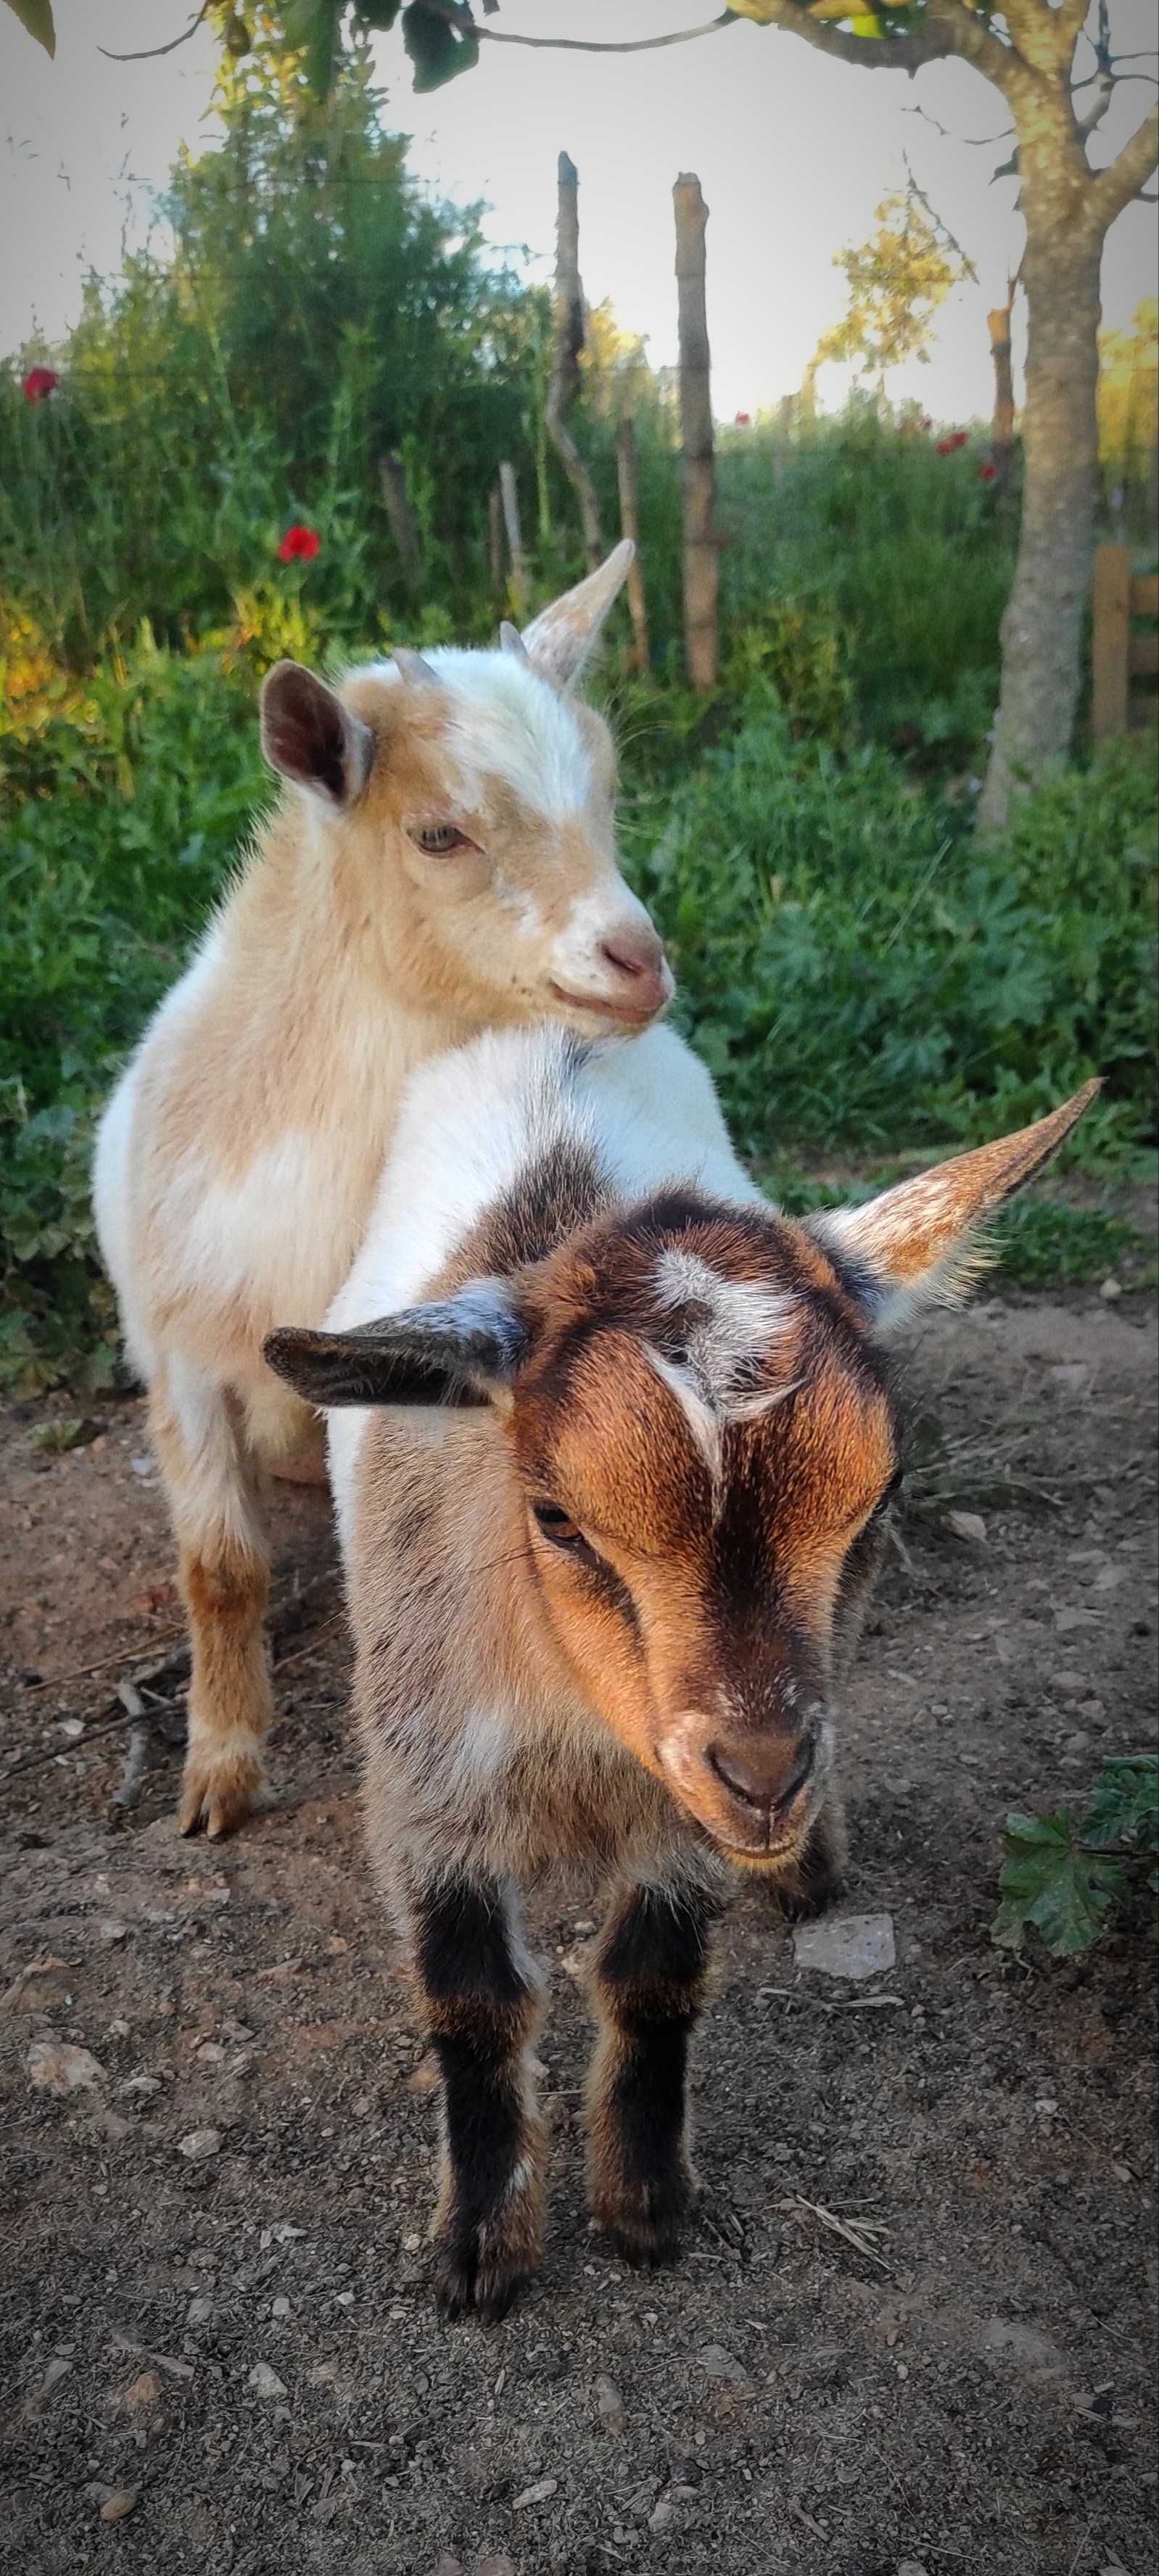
(633, 952)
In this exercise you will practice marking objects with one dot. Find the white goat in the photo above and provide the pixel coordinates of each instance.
(443, 859)
(598, 1614)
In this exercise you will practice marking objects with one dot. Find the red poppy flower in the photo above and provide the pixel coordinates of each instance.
(743, 420)
(299, 545)
(987, 474)
(39, 383)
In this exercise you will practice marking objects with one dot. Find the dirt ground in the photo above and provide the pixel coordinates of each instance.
(215, 2296)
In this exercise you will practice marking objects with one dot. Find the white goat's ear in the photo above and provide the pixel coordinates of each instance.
(461, 1350)
(311, 738)
(915, 1245)
(559, 640)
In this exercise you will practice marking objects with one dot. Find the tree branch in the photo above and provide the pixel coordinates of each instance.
(942, 230)
(460, 17)
(902, 53)
(150, 52)
(971, 142)
(1070, 18)
(1113, 188)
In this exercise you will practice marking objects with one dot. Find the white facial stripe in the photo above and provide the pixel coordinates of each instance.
(733, 1323)
(508, 723)
(704, 1424)
(511, 725)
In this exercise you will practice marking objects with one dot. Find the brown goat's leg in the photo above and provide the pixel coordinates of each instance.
(648, 1983)
(213, 1499)
(817, 1878)
(482, 2006)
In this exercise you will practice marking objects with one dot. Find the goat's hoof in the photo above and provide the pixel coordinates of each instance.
(803, 1904)
(218, 1793)
(467, 2285)
(647, 2227)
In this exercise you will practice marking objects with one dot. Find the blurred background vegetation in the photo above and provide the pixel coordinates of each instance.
(863, 975)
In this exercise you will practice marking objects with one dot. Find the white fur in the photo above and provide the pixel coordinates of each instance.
(469, 1123)
(510, 724)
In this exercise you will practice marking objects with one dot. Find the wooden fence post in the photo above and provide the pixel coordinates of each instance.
(630, 527)
(403, 524)
(1111, 647)
(1002, 430)
(510, 497)
(495, 546)
(701, 559)
(565, 373)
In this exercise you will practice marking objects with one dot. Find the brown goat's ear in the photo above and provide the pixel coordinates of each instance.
(311, 738)
(462, 1350)
(559, 640)
(915, 1246)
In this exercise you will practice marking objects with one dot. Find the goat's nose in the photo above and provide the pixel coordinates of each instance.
(637, 955)
(765, 1776)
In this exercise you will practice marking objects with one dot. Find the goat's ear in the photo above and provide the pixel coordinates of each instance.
(917, 1244)
(559, 640)
(310, 737)
(462, 1350)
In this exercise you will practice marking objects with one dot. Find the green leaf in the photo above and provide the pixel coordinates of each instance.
(1049, 1881)
(36, 16)
(71, 1431)
(438, 53)
(312, 28)
(379, 14)
(1125, 1805)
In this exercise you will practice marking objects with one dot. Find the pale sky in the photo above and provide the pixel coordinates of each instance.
(793, 152)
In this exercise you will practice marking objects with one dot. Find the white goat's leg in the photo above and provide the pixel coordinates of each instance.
(212, 1487)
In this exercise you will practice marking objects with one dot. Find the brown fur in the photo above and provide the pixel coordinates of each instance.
(638, 1679)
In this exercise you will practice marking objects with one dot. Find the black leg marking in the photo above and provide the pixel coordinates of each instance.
(648, 1985)
(481, 2010)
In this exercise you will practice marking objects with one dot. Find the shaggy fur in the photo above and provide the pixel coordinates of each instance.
(584, 1630)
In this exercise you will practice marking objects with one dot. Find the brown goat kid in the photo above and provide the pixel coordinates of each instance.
(612, 1496)
(443, 860)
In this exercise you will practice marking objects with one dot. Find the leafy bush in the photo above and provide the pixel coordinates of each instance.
(905, 546)
(1064, 1876)
(856, 969)
(796, 652)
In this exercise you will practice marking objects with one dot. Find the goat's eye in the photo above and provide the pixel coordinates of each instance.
(439, 840)
(557, 1526)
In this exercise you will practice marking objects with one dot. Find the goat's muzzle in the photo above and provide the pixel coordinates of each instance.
(755, 1791)
(624, 982)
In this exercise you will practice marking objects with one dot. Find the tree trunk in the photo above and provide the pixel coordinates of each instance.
(630, 527)
(565, 373)
(1042, 625)
(701, 557)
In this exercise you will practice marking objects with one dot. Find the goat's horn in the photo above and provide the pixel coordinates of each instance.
(512, 641)
(412, 669)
